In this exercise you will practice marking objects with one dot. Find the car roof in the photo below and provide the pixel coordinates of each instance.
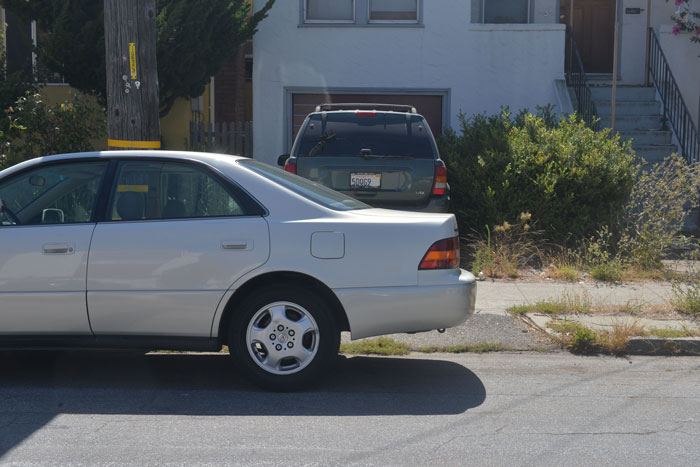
(205, 157)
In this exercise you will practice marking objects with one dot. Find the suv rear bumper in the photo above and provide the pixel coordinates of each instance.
(440, 204)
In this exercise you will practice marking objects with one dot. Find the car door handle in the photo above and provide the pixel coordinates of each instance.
(235, 245)
(58, 249)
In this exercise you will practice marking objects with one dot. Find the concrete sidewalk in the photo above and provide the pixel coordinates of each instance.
(494, 297)
(492, 324)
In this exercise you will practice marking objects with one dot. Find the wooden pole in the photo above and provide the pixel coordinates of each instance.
(614, 70)
(132, 75)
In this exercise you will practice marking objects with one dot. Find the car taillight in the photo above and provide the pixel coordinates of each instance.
(440, 183)
(443, 254)
(291, 166)
(366, 113)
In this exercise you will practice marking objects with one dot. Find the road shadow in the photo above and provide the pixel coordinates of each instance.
(35, 386)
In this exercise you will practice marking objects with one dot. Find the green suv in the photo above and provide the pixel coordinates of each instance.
(384, 155)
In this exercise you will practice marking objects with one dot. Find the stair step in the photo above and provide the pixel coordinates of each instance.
(624, 93)
(655, 153)
(644, 137)
(636, 122)
(628, 108)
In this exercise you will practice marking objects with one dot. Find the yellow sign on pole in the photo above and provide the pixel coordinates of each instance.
(132, 59)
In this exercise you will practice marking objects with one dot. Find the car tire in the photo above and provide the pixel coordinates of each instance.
(283, 337)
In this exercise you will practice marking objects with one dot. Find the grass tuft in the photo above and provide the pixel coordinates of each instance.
(672, 333)
(607, 272)
(565, 272)
(378, 346)
(474, 348)
(568, 304)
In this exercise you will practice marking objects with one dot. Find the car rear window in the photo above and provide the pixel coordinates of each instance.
(366, 133)
(310, 190)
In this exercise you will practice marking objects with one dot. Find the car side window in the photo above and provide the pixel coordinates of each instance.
(149, 190)
(63, 193)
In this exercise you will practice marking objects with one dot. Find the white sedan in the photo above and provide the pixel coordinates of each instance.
(191, 251)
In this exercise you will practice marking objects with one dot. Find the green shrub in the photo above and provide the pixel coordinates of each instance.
(607, 272)
(584, 341)
(572, 179)
(40, 129)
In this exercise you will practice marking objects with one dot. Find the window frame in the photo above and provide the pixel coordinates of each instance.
(305, 4)
(251, 207)
(483, 13)
(393, 21)
(361, 13)
(105, 182)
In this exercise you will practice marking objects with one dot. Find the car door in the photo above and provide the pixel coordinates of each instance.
(46, 223)
(174, 239)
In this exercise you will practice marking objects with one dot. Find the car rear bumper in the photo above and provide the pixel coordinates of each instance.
(446, 301)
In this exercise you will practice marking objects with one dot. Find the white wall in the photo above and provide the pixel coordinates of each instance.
(633, 36)
(483, 67)
(682, 57)
(679, 51)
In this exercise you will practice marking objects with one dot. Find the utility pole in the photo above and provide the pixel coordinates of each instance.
(132, 74)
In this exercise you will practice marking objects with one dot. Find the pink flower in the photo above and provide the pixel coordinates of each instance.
(677, 29)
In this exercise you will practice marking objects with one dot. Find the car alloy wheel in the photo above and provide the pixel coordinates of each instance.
(282, 338)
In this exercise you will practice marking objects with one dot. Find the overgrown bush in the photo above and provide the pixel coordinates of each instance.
(40, 129)
(572, 179)
(661, 199)
(503, 251)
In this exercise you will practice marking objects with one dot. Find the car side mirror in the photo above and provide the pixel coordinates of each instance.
(281, 160)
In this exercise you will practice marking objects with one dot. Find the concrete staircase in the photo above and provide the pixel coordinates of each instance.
(637, 117)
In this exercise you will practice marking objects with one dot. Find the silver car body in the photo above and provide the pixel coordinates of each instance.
(174, 277)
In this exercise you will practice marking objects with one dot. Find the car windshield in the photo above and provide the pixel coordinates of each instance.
(310, 190)
(366, 134)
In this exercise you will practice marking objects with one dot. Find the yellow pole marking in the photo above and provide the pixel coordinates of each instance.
(132, 59)
(120, 143)
(132, 188)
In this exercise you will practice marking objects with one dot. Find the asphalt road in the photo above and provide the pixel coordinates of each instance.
(110, 409)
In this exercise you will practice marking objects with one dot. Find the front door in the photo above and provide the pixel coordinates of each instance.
(594, 30)
(46, 223)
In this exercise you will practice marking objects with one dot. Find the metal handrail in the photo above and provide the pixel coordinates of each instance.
(576, 77)
(675, 110)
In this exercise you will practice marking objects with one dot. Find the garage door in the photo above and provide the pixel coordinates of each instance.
(428, 106)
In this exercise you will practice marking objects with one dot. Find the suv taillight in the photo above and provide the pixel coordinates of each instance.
(440, 183)
(291, 166)
(443, 254)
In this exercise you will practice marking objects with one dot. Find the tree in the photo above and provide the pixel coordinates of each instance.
(194, 40)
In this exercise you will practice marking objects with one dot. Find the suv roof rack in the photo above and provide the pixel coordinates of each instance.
(367, 106)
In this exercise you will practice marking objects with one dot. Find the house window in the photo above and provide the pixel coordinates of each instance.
(326, 11)
(393, 10)
(501, 11)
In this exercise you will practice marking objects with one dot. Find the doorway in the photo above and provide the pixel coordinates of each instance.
(594, 31)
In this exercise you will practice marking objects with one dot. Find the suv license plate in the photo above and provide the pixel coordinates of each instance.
(365, 180)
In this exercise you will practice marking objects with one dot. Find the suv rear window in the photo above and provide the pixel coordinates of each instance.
(380, 134)
(310, 190)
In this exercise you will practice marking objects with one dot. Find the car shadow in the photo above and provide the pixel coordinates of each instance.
(35, 386)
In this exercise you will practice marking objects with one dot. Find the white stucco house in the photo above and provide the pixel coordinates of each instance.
(451, 56)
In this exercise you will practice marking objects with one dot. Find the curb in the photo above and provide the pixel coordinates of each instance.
(667, 347)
